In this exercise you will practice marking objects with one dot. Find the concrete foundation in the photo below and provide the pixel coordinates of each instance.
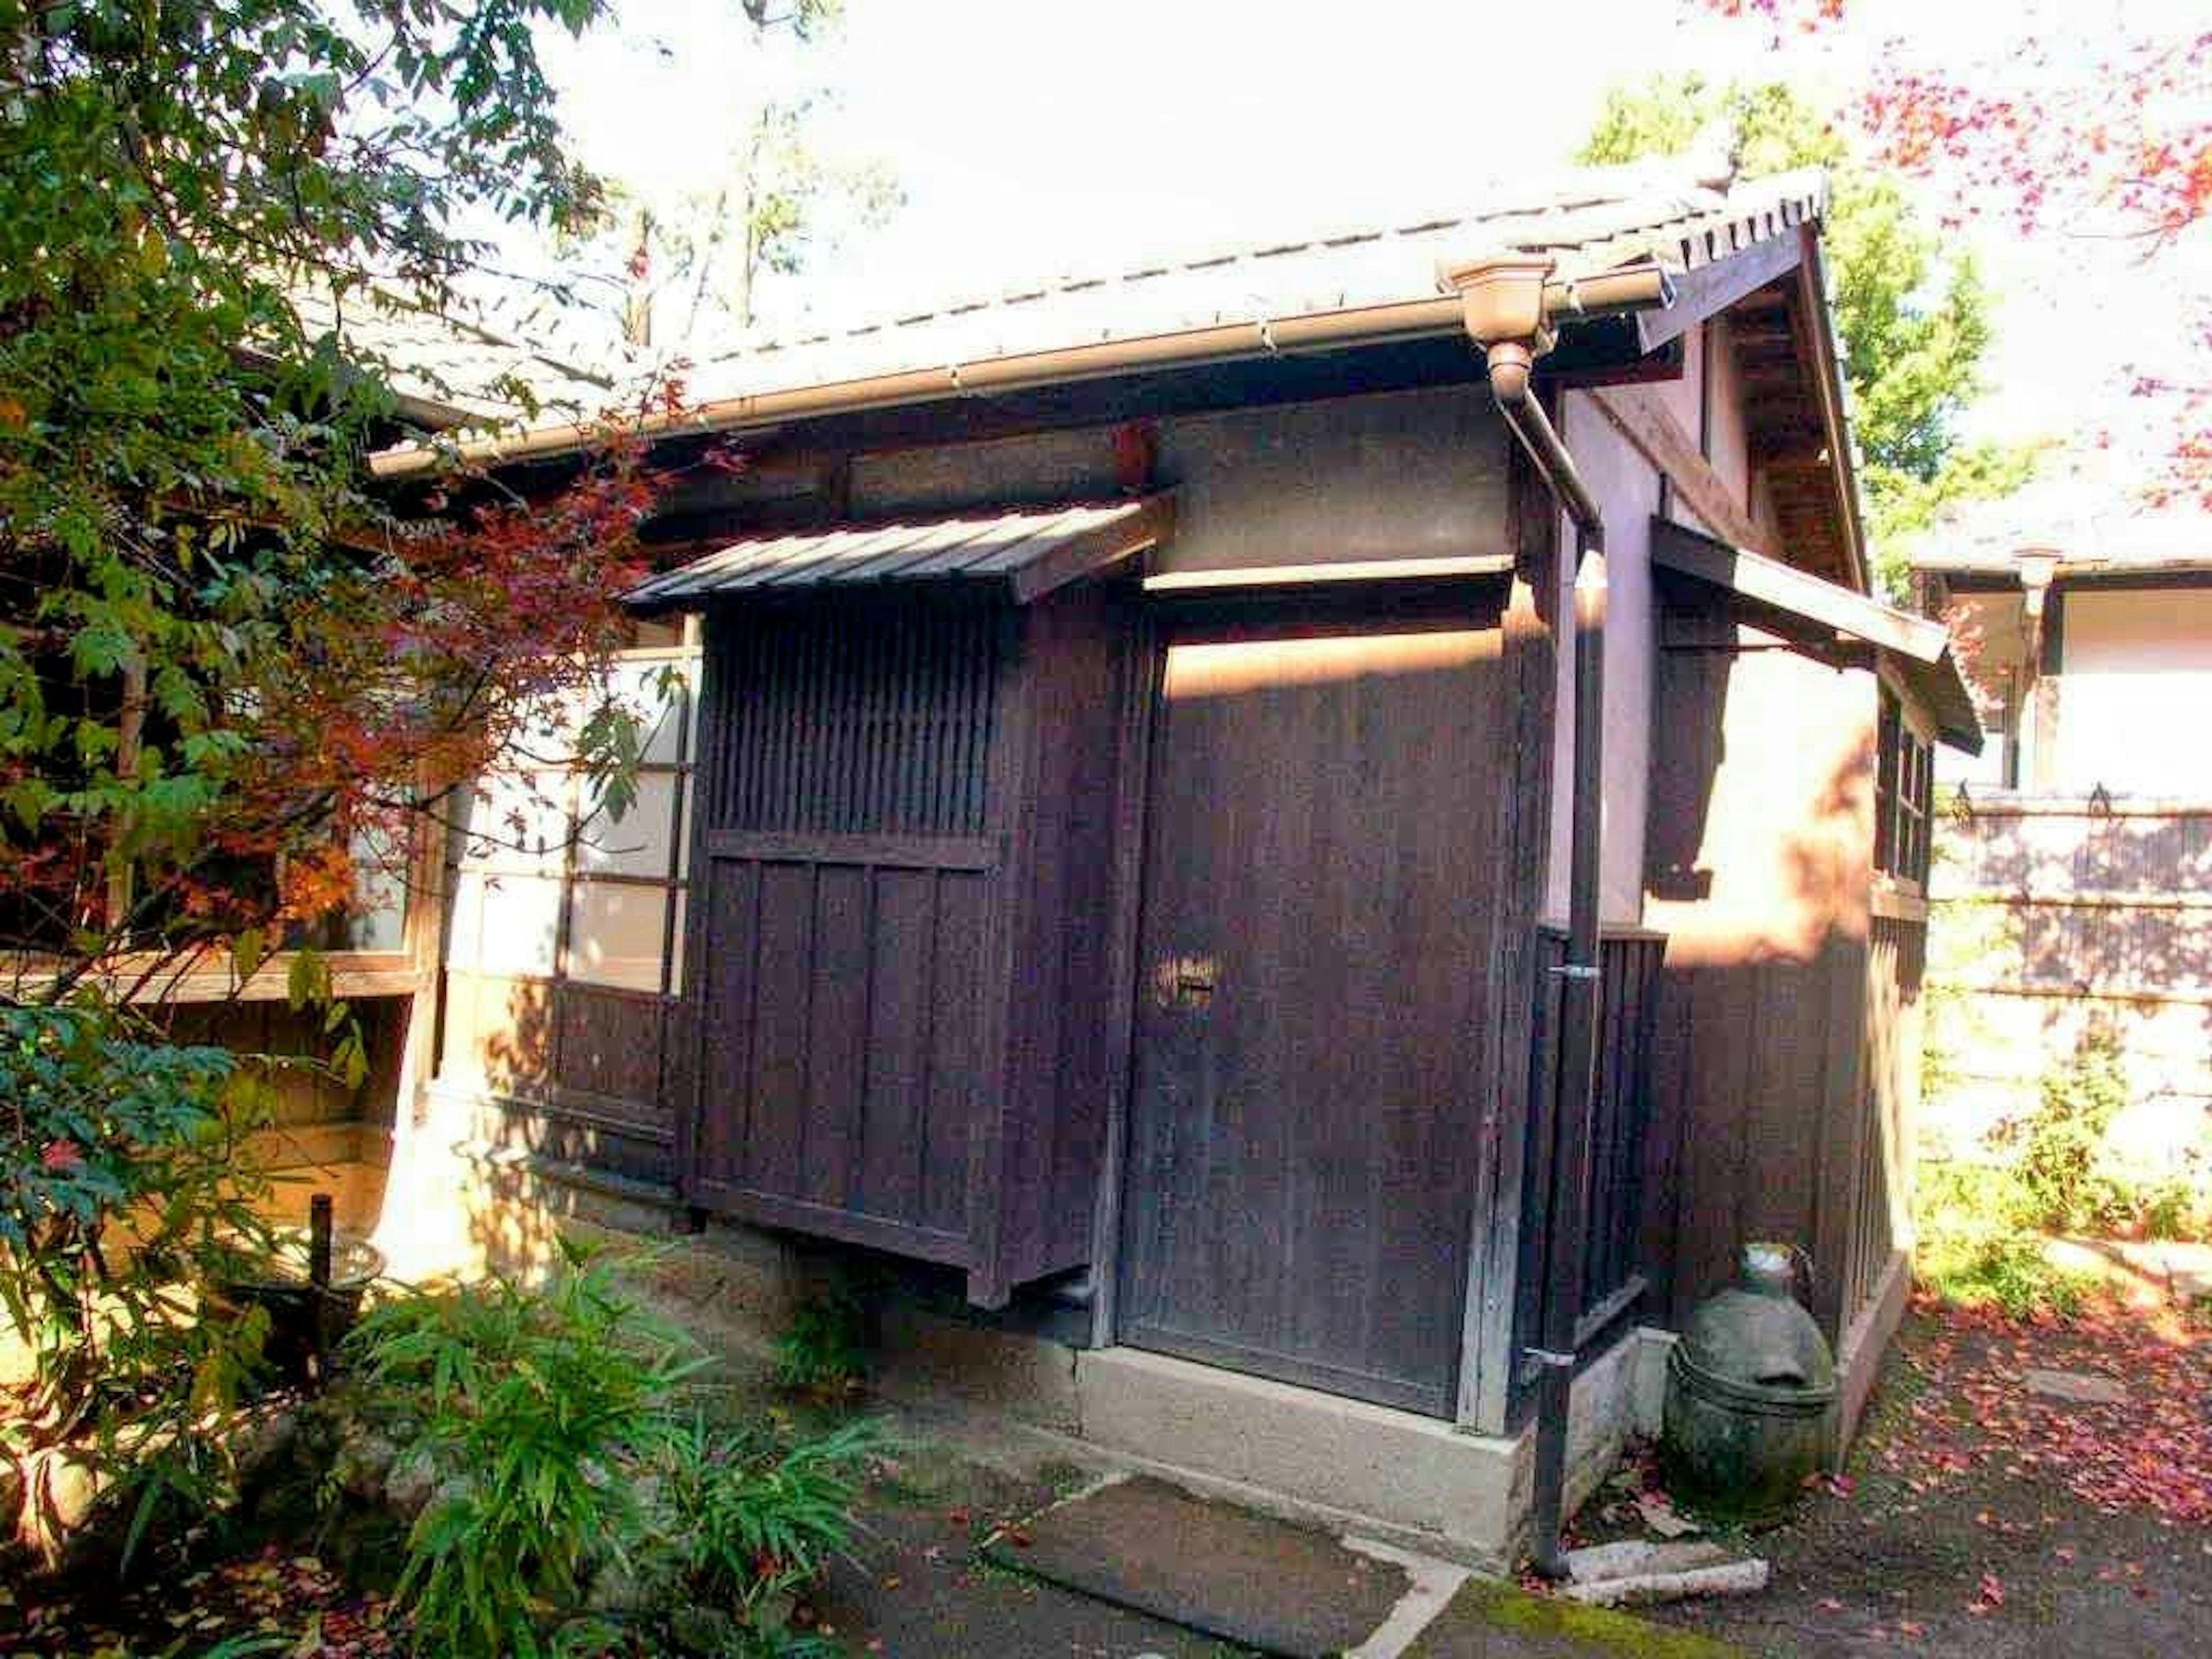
(1858, 1361)
(1416, 1480)
(1464, 1491)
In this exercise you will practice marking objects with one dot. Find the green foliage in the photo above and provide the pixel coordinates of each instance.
(751, 1519)
(825, 1349)
(1971, 944)
(1913, 315)
(552, 1416)
(127, 1188)
(1976, 1243)
(2059, 1147)
(191, 197)
(538, 1407)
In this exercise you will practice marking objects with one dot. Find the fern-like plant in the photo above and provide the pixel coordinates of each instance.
(753, 1518)
(539, 1407)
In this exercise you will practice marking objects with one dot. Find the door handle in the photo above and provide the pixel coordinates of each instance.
(1185, 982)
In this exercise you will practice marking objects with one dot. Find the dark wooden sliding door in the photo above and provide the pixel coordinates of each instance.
(1317, 935)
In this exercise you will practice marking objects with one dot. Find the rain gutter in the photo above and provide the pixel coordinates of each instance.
(1635, 288)
(1505, 314)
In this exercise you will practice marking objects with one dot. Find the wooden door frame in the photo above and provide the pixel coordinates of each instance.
(1154, 621)
(1143, 679)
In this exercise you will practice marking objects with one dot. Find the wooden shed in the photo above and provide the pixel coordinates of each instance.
(1127, 849)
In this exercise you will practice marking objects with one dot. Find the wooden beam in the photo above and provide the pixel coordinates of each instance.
(1096, 552)
(1520, 842)
(1797, 593)
(1643, 420)
(1827, 378)
(1318, 575)
(1715, 287)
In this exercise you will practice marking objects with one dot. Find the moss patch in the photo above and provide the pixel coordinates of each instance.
(1491, 1620)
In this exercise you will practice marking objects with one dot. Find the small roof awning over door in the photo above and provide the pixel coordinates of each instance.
(1026, 554)
(1795, 603)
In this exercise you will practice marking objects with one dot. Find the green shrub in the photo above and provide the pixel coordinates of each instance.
(752, 1518)
(555, 1422)
(539, 1408)
(127, 1185)
(1977, 1241)
(2059, 1146)
(824, 1351)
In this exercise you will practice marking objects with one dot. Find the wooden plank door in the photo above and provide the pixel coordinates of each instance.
(1316, 936)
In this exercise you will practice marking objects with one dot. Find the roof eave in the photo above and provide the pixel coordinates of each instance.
(1567, 302)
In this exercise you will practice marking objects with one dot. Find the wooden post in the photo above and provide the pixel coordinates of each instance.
(1524, 852)
(319, 1230)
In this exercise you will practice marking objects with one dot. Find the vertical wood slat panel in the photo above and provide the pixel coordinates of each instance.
(773, 1153)
(856, 719)
(1621, 1110)
(843, 1077)
(895, 1099)
(955, 1056)
(838, 1012)
(838, 1036)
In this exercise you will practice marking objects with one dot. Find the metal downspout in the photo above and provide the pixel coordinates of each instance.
(1504, 315)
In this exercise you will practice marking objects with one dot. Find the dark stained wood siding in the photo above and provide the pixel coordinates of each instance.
(1614, 1261)
(840, 1071)
(1871, 1195)
(899, 958)
(1783, 1051)
(1317, 933)
(1758, 1108)
(852, 888)
(1057, 1077)
(1521, 853)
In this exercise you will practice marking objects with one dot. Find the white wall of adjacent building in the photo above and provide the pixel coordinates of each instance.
(2135, 697)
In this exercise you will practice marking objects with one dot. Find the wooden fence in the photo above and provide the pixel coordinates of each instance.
(2054, 917)
(1613, 1277)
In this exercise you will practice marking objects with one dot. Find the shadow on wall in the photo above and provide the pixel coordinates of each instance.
(1786, 1041)
(470, 1183)
(442, 1211)
(2105, 901)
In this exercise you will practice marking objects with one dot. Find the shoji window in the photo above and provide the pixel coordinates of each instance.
(547, 883)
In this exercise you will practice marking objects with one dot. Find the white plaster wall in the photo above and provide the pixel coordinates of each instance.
(2135, 691)
(1627, 491)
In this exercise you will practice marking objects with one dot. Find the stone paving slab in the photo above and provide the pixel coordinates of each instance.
(1488, 1620)
(2075, 1387)
(1245, 1578)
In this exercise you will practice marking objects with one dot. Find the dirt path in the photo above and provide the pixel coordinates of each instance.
(1979, 1517)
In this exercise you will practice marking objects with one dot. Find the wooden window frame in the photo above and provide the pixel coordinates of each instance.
(1904, 797)
(673, 881)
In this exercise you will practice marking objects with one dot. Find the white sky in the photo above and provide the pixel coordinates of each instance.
(1043, 135)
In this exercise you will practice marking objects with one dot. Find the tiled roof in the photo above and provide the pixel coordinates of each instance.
(474, 361)
(2092, 521)
(1590, 220)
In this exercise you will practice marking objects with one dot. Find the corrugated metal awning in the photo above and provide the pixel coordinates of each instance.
(1028, 554)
